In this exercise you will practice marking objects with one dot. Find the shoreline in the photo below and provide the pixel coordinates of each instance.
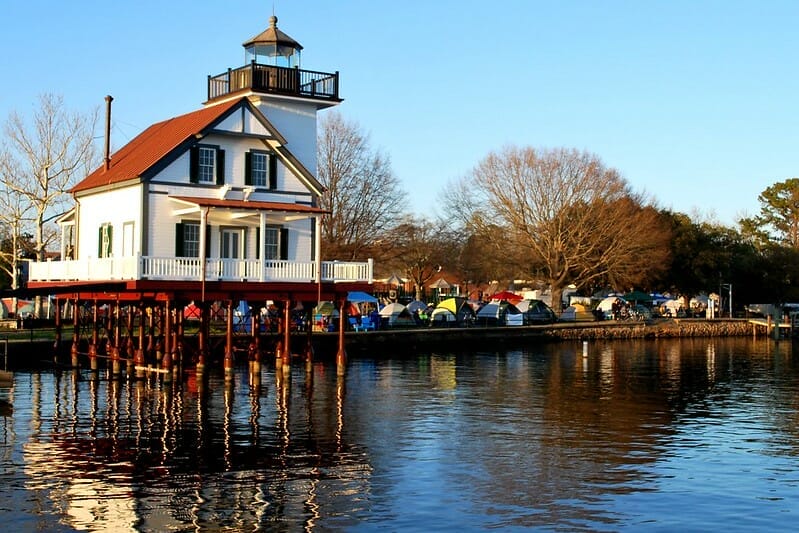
(25, 353)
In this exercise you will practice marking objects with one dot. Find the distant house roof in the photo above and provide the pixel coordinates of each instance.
(148, 150)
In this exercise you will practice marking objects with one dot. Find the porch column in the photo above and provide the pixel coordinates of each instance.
(262, 246)
(203, 250)
(318, 248)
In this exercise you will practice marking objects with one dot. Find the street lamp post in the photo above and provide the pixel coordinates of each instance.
(728, 286)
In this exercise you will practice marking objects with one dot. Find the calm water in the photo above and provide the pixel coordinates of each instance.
(639, 435)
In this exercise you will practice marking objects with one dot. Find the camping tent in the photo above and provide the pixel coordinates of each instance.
(459, 307)
(536, 312)
(395, 314)
(500, 314)
(607, 303)
(638, 297)
(416, 305)
(671, 308)
(358, 297)
(442, 317)
(575, 312)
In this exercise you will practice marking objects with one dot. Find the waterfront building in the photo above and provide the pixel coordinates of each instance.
(219, 204)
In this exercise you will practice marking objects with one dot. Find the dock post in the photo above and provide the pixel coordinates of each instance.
(166, 362)
(75, 333)
(308, 343)
(116, 366)
(95, 334)
(287, 336)
(130, 349)
(177, 337)
(138, 359)
(57, 341)
(228, 363)
(341, 355)
(202, 340)
(255, 345)
(150, 331)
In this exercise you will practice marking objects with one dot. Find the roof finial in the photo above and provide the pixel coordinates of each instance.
(273, 21)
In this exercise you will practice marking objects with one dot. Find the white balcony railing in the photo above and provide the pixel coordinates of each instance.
(189, 269)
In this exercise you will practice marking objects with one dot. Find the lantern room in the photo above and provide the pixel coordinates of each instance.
(273, 47)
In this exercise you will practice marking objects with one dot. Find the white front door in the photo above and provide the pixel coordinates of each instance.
(231, 244)
(231, 252)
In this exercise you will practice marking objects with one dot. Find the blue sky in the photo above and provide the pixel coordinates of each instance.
(695, 103)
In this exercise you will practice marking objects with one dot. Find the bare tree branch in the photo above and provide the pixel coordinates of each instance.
(363, 194)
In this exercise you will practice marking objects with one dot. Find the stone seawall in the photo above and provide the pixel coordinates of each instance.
(667, 329)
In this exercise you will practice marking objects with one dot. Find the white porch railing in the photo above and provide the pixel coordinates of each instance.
(189, 269)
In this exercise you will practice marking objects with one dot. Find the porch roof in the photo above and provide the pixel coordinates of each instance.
(250, 205)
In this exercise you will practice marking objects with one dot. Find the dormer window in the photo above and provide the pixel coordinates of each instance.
(207, 165)
(260, 169)
(206, 171)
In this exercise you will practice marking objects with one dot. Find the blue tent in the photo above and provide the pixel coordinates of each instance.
(358, 297)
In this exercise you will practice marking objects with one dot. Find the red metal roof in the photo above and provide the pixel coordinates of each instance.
(248, 204)
(152, 145)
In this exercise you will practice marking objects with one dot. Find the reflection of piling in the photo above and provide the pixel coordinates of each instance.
(278, 355)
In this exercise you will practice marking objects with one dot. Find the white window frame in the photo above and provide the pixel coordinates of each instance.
(206, 164)
(259, 169)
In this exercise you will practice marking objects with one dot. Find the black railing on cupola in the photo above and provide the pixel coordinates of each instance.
(275, 80)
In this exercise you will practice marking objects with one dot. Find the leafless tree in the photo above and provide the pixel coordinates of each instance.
(421, 249)
(572, 219)
(363, 194)
(15, 224)
(44, 154)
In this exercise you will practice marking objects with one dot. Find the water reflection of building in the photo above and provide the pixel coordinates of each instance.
(140, 455)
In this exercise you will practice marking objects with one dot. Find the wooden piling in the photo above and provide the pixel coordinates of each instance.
(287, 335)
(341, 355)
(75, 350)
(228, 363)
(95, 338)
(166, 362)
(139, 360)
(202, 338)
(57, 341)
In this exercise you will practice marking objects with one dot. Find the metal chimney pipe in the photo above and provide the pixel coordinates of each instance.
(108, 100)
